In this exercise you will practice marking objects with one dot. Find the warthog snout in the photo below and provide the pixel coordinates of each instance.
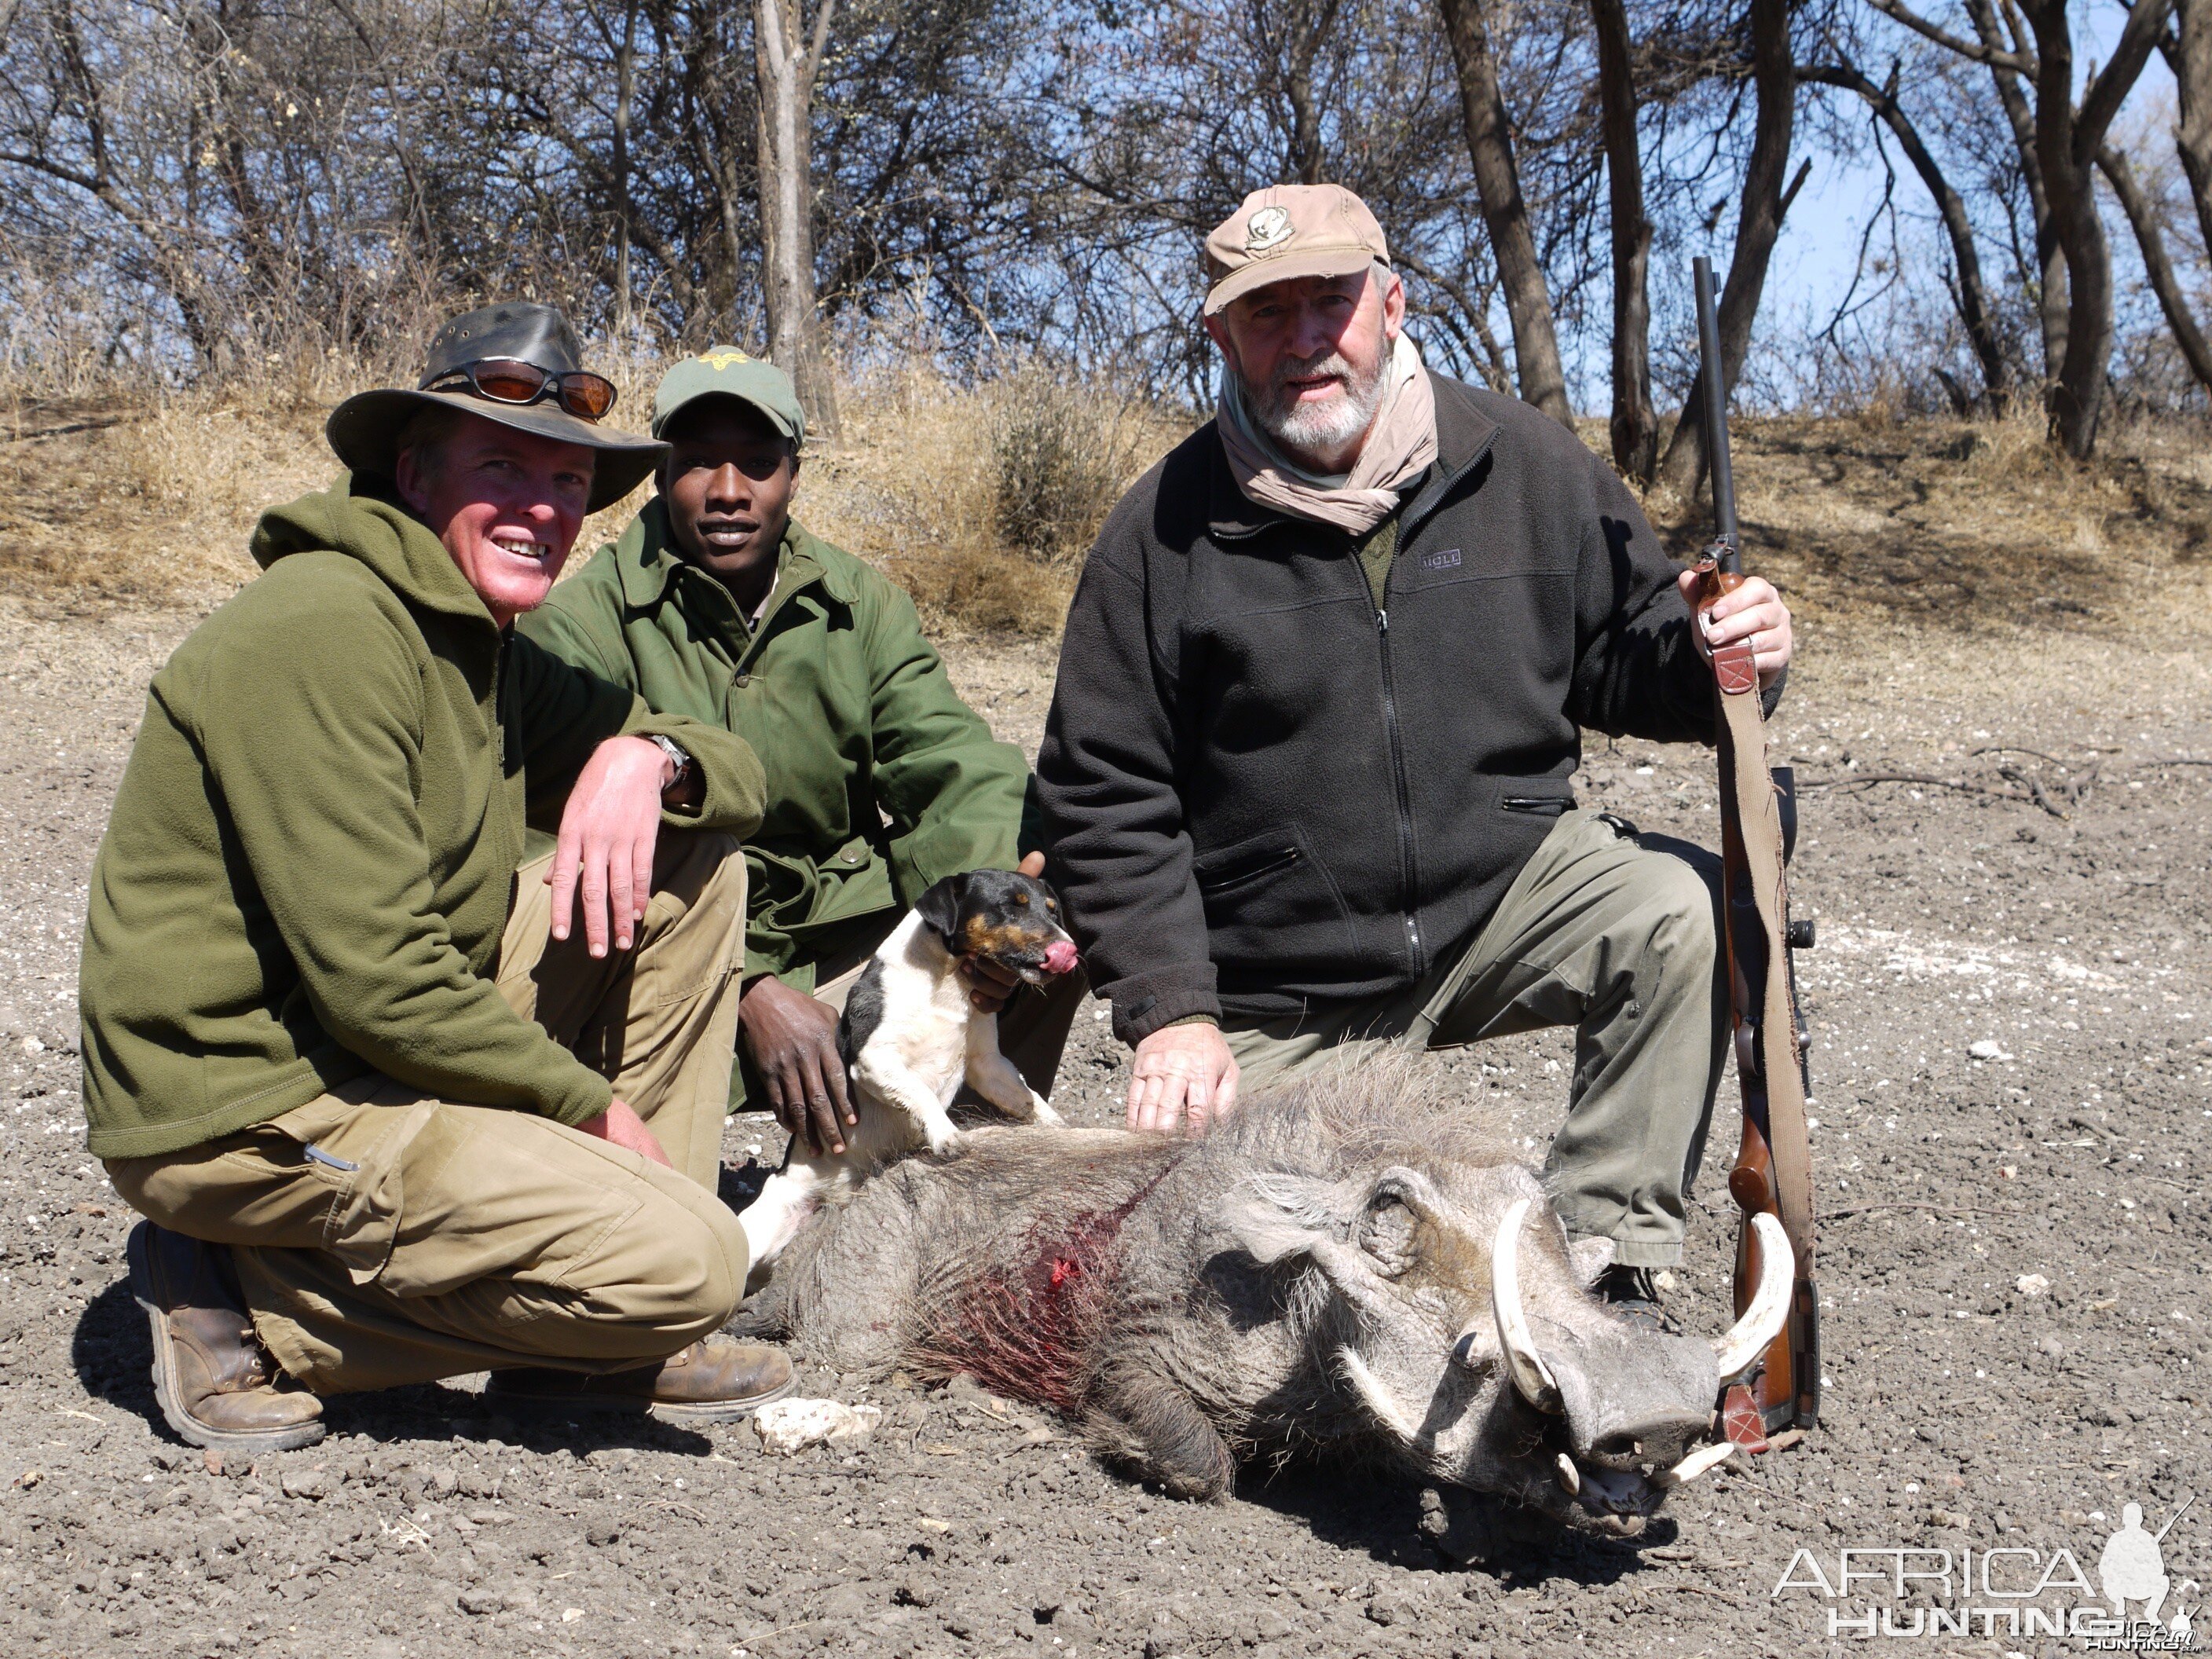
(1626, 1407)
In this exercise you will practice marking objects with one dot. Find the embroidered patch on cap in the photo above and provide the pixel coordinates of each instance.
(718, 360)
(1269, 228)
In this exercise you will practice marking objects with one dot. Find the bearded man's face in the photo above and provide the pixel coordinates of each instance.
(1313, 355)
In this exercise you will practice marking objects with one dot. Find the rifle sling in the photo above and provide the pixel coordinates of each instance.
(1741, 738)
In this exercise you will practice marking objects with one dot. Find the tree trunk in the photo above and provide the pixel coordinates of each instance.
(2067, 140)
(2192, 78)
(1635, 427)
(1974, 302)
(2020, 116)
(1490, 143)
(785, 63)
(625, 88)
(1764, 201)
(2142, 215)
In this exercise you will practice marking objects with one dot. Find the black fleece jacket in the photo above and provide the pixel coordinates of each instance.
(1267, 789)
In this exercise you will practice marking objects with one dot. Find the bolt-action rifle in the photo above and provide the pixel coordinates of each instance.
(1759, 831)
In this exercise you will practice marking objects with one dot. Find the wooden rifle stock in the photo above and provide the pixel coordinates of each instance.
(1772, 1173)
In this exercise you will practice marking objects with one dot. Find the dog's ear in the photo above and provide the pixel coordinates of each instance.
(939, 910)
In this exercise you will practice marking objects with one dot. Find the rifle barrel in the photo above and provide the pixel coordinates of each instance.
(1716, 400)
(2160, 1537)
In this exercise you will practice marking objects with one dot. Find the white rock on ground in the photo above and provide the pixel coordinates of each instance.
(790, 1426)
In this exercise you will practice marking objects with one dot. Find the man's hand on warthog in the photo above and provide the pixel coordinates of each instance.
(604, 855)
(1184, 1076)
(1753, 612)
(624, 1127)
(988, 985)
(793, 1041)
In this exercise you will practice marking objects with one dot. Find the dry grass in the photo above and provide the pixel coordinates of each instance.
(1972, 527)
(954, 492)
(980, 500)
(137, 501)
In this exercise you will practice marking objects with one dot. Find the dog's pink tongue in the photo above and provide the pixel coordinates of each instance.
(1059, 956)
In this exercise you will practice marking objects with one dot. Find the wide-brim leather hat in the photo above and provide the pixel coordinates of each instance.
(364, 430)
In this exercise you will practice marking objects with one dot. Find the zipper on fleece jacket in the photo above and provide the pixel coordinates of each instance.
(1407, 866)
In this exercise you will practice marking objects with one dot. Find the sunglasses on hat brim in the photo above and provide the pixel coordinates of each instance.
(510, 380)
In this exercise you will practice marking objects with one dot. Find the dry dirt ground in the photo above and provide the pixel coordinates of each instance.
(2014, 1264)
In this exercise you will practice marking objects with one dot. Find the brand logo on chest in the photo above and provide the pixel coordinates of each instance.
(1444, 559)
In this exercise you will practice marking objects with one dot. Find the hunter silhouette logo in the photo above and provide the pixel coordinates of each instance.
(2133, 1568)
(2008, 1590)
(718, 360)
(1269, 227)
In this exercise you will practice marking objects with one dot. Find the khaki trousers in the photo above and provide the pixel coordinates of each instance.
(1614, 933)
(382, 1237)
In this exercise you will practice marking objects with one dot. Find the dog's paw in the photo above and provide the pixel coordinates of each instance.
(944, 1139)
(1041, 1112)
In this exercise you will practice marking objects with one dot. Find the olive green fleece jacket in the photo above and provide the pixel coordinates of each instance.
(311, 856)
(845, 702)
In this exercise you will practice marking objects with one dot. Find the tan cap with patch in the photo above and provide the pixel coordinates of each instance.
(1291, 230)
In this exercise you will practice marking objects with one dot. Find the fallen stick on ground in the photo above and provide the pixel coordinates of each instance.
(2036, 799)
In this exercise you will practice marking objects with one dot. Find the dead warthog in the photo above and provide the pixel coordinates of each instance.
(1342, 1267)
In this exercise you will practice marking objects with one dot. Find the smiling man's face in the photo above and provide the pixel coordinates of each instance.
(729, 481)
(1313, 353)
(507, 504)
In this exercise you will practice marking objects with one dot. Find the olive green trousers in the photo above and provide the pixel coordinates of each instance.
(1614, 933)
(383, 1237)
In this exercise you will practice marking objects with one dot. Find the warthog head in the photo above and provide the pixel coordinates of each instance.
(1447, 1303)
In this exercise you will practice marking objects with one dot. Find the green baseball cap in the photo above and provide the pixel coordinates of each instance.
(726, 371)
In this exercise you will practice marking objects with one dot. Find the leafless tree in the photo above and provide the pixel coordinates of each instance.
(1513, 244)
(1765, 199)
(788, 53)
(1635, 427)
(2066, 137)
(1974, 310)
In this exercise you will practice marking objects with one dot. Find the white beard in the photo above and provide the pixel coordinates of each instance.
(1327, 425)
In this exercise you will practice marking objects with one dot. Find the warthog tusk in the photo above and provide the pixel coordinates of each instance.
(1695, 1464)
(1571, 1477)
(1531, 1378)
(1770, 1305)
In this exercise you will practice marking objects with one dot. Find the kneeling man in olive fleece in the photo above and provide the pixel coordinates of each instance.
(390, 1114)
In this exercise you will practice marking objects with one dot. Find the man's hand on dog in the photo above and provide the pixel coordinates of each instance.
(1184, 1077)
(988, 985)
(793, 1041)
(604, 858)
(624, 1127)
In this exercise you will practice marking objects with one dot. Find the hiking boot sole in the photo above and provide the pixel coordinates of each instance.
(677, 1413)
(186, 1427)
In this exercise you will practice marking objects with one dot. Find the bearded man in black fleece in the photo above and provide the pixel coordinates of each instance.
(1307, 776)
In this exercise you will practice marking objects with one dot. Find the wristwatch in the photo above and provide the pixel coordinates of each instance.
(676, 753)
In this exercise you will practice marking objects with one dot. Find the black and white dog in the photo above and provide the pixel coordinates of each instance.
(909, 1038)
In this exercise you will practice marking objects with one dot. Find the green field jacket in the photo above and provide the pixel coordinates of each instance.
(880, 780)
(311, 856)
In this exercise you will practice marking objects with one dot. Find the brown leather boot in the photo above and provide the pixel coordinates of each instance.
(718, 1379)
(216, 1383)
